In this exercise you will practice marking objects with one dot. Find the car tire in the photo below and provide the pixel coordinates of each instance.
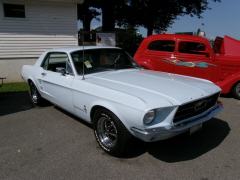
(236, 90)
(110, 133)
(35, 95)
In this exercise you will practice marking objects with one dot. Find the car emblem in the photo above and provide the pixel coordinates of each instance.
(200, 105)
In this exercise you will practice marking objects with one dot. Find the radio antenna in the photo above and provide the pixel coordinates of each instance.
(83, 78)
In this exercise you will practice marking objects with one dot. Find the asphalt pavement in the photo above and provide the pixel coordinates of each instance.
(47, 143)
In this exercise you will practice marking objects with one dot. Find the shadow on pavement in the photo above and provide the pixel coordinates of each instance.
(180, 148)
(74, 117)
(185, 147)
(226, 95)
(14, 102)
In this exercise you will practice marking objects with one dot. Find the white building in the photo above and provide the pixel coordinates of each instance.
(29, 27)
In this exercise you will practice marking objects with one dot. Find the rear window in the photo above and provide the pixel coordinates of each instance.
(192, 48)
(162, 45)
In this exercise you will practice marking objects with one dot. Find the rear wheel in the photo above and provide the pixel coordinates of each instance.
(112, 136)
(236, 90)
(35, 95)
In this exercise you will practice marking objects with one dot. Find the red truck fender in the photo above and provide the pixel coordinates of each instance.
(227, 84)
(147, 64)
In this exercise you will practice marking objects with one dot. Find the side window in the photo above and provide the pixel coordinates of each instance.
(192, 48)
(162, 45)
(57, 60)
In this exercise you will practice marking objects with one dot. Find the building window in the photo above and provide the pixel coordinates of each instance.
(14, 10)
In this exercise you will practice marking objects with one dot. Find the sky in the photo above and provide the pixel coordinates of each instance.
(222, 19)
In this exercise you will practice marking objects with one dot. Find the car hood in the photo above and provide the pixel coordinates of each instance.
(227, 46)
(154, 87)
(231, 46)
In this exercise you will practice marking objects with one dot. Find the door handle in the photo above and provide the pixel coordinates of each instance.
(44, 74)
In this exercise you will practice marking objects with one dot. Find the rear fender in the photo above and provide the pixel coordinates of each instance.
(27, 74)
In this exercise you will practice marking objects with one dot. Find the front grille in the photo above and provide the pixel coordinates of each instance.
(195, 108)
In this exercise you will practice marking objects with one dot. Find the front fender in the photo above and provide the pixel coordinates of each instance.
(127, 115)
(227, 84)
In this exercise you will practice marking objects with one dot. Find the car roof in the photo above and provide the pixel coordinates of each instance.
(176, 36)
(77, 48)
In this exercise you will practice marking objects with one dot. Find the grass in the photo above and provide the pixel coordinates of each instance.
(14, 87)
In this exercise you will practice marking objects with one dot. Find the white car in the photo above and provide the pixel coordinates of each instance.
(106, 87)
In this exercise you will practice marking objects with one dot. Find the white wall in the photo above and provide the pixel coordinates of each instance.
(47, 25)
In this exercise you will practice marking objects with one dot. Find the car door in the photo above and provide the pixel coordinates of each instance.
(193, 58)
(160, 52)
(56, 80)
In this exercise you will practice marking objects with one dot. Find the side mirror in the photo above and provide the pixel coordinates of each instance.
(61, 70)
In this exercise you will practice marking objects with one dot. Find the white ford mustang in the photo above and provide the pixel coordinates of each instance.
(106, 87)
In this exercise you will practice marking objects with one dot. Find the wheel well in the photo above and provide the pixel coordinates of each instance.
(29, 81)
(235, 90)
(94, 109)
(235, 84)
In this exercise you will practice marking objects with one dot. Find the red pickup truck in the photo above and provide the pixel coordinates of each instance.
(195, 56)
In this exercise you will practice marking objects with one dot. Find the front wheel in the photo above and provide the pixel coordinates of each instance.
(112, 136)
(35, 95)
(236, 90)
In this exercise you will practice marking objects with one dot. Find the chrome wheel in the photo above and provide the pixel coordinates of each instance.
(107, 132)
(34, 94)
(112, 136)
(236, 90)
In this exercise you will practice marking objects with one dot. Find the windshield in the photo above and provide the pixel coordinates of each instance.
(98, 60)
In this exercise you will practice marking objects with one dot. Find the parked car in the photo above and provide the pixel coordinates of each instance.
(107, 88)
(194, 56)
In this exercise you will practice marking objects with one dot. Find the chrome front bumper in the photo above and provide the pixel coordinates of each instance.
(165, 132)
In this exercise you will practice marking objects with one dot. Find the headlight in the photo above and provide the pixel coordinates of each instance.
(149, 117)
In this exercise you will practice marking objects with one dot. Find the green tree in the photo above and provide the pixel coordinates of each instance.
(110, 10)
(154, 15)
(87, 12)
(159, 15)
